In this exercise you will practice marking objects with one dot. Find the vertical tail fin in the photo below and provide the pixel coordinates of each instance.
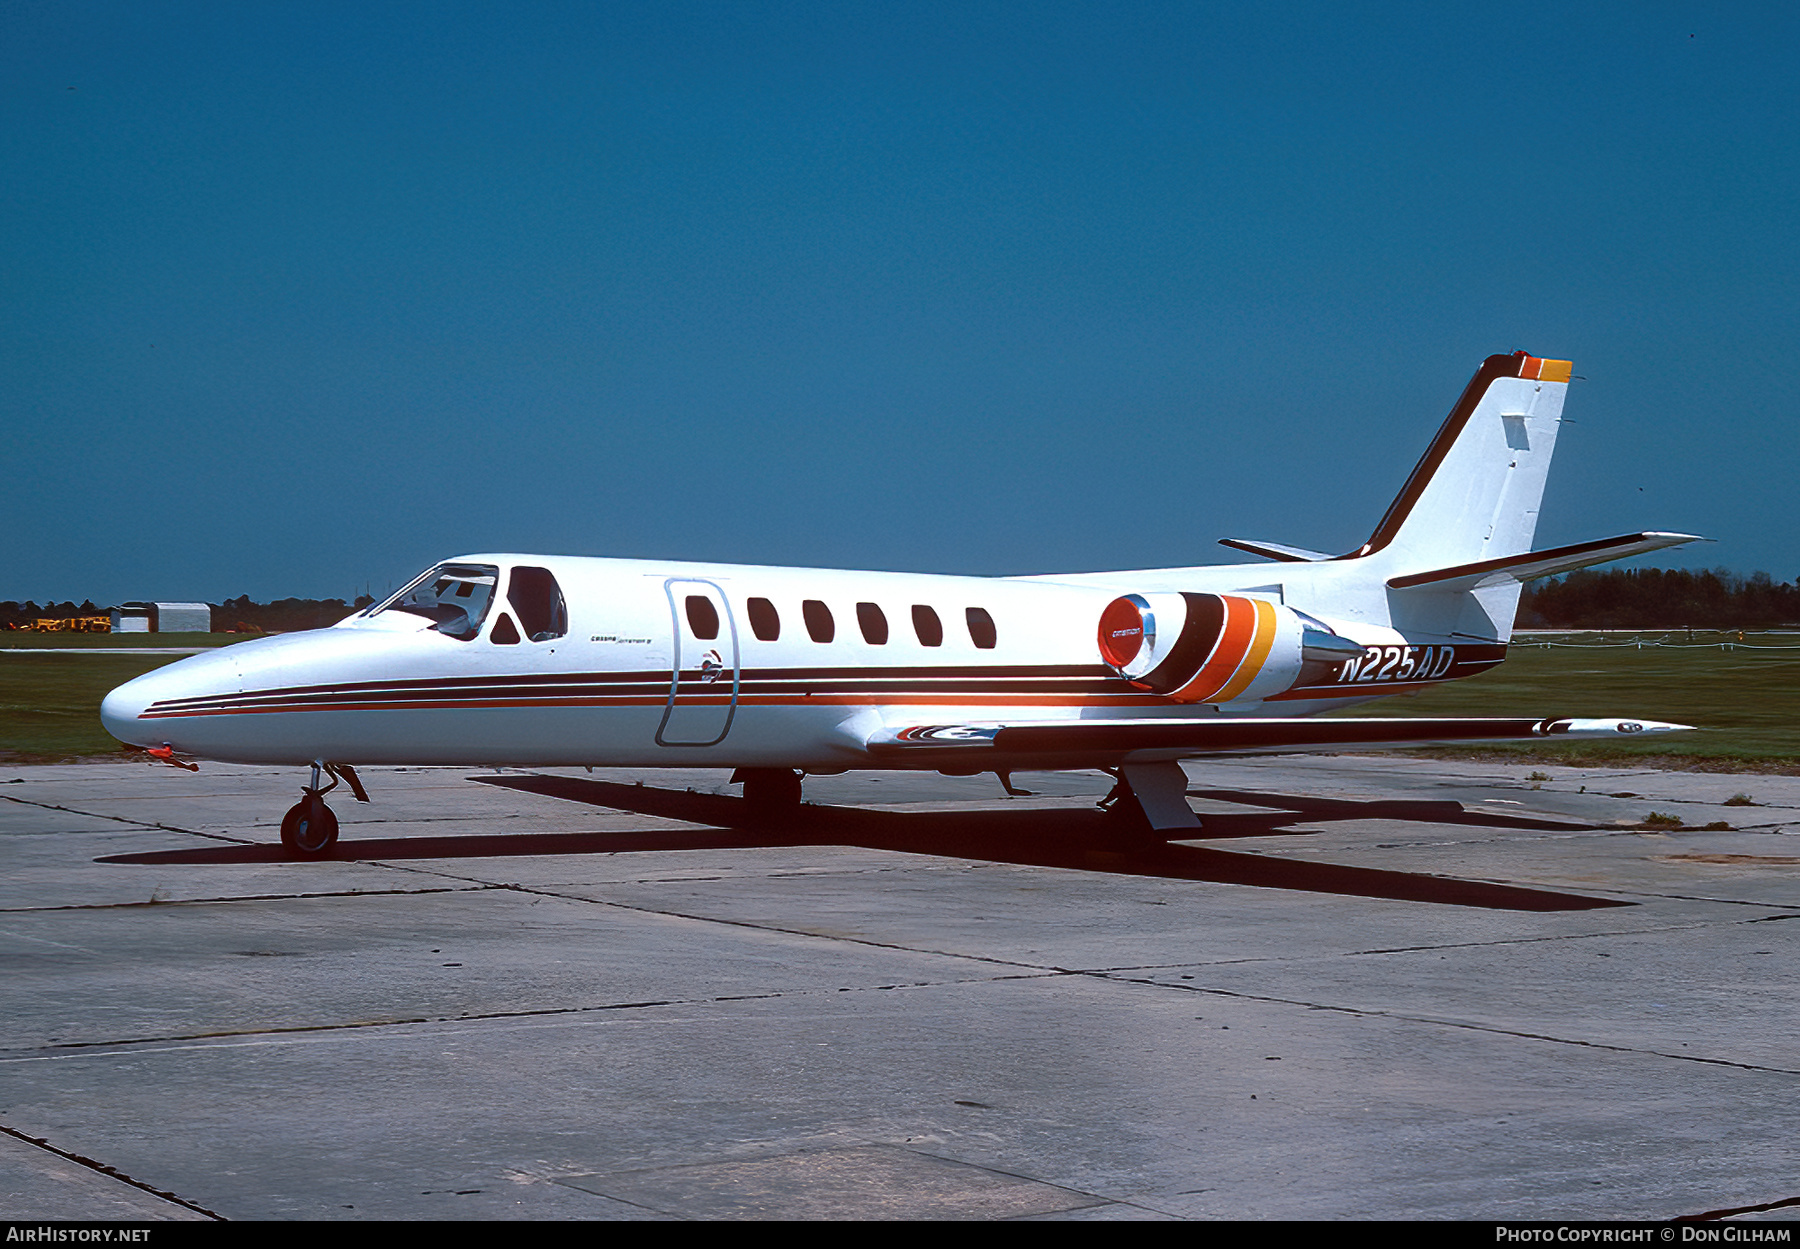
(1475, 494)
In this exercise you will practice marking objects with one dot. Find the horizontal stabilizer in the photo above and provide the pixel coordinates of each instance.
(1105, 741)
(1534, 564)
(1275, 550)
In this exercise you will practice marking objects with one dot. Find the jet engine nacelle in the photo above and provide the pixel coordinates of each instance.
(1214, 648)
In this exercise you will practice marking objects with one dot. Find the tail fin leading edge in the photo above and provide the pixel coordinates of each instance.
(1474, 495)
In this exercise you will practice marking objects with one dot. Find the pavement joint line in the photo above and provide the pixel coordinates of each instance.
(61, 945)
(794, 932)
(806, 874)
(1561, 788)
(226, 836)
(1291, 856)
(1694, 897)
(120, 819)
(1725, 1214)
(1100, 1198)
(186, 1040)
(247, 897)
(102, 1168)
(563, 1180)
(541, 891)
(351, 825)
(1451, 945)
(1761, 830)
(1616, 830)
(273, 1035)
(317, 1031)
(1459, 1023)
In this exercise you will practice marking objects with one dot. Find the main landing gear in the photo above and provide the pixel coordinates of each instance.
(1150, 799)
(309, 830)
(769, 791)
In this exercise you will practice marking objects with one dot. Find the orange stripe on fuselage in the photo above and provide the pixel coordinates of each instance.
(1234, 642)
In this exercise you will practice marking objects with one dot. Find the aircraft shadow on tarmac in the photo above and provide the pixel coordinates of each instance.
(1088, 840)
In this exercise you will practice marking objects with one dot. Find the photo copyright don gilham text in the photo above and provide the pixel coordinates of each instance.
(1684, 1233)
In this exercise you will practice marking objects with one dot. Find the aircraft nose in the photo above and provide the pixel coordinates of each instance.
(119, 713)
(196, 676)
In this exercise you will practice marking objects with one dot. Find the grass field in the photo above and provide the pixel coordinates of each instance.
(1746, 701)
(23, 640)
(50, 704)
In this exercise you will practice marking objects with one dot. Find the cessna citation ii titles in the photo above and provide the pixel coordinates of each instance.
(552, 661)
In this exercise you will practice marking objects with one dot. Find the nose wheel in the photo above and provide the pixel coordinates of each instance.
(309, 830)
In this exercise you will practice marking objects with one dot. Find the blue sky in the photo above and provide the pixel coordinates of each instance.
(298, 299)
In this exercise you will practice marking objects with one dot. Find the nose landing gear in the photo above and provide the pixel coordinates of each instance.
(309, 830)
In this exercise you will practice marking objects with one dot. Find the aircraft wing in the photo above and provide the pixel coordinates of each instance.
(1109, 741)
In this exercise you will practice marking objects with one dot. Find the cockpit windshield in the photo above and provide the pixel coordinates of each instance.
(454, 597)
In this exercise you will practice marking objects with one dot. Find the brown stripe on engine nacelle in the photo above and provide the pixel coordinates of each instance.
(1199, 634)
(1240, 631)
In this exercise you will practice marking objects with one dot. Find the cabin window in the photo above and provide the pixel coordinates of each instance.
(703, 617)
(538, 600)
(454, 597)
(819, 625)
(927, 625)
(765, 621)
(981, 628)
(873, 623)
(504, 633)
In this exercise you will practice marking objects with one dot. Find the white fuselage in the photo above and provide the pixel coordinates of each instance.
(631, 681)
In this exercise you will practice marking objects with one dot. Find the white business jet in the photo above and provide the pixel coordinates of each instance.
(550, 661)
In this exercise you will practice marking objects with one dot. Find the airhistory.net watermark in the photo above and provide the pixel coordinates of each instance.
(52, 1235)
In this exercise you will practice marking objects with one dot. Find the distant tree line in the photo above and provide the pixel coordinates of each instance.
(1630, 598)
(288, 615)
(1658, 598)
(18, 615)
(234, 615)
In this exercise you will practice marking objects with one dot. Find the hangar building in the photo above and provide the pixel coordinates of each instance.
(162, 618)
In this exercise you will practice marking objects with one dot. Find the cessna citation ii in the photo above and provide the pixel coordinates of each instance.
(553, 661)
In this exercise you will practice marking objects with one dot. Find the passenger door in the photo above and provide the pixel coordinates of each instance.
(703, 688)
